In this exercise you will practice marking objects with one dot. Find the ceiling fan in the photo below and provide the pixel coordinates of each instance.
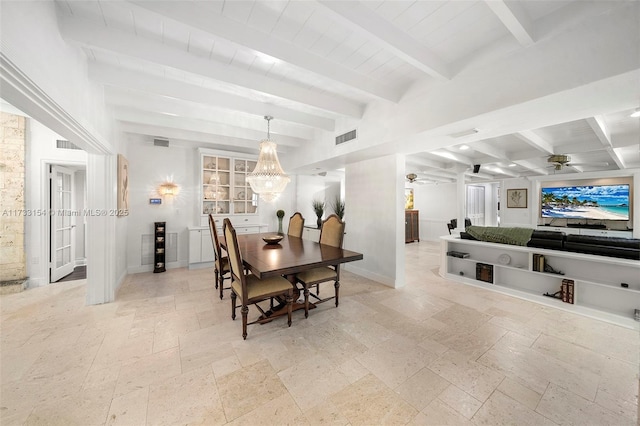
(561, 160)
(413, 178)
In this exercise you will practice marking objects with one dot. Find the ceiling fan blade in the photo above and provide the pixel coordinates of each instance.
(590, 163)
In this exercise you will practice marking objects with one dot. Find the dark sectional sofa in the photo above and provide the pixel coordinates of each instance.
(627, 248)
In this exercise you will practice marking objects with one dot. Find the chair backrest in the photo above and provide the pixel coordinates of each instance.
(214, 239)
(467, 222)
(454, 223)
(450, 227)
(296, 224)
(235, 259)
(332, 231)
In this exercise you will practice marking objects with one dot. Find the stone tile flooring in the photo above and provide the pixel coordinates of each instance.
(432, 353)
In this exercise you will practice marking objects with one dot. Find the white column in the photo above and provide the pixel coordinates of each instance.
(101, 228)
(374, 199)
(462, 199)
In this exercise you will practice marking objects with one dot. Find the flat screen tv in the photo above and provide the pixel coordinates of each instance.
(600, 202)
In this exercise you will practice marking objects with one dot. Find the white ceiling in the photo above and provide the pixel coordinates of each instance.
(206, 72)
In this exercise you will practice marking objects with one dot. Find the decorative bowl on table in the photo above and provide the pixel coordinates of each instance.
(272, 238)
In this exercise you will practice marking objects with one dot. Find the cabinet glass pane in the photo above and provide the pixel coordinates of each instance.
(223, 164)
(239, 207)
(209, 163)
(240, 166)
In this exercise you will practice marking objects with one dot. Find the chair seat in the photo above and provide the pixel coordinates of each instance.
(261, 287)
(317, 274)
(223, 265)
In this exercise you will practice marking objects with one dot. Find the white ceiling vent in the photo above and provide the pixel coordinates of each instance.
(161, 142)
(346, 137)
(62, 144)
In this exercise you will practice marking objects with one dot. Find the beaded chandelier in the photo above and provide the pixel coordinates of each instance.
(268, 179)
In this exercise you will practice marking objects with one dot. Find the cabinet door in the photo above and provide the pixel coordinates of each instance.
(195, 246)
(206, 247)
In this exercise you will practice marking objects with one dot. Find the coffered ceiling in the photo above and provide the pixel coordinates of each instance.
(206, 72)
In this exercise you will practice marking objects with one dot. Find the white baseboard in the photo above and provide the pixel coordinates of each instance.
(36, 282)
(81, 261)
(389, 282)
(149, 268)
(201, 265)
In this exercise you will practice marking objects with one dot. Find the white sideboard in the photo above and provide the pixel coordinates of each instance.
(598, 291)
(311, 234)
(201, 247)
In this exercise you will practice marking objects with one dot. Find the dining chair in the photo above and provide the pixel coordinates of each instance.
(221, 263)
(296, 225)
(248, 287)
(332, 234)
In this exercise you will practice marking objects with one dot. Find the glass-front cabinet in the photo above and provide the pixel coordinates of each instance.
(224, 187)
(216, 184)
(244, 200)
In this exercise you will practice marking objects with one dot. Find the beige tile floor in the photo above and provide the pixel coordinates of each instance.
(432, 353)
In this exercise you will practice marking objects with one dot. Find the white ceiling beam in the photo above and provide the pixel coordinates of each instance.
(215, 141)
(515, 19)
(532, 167)
(599, 127)
(357, 16)
(181, 108)
(500, 170)
(212, 23)
(118, 77)
(454, 157)
(424, 162)
(182, 123)
(489, 150)
(89, 34)
(531, 138)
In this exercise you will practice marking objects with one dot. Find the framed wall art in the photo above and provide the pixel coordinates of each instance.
(123, 186)
(517, 198)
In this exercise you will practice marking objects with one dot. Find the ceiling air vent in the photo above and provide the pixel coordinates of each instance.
(62, 144)
(346, 137)
(161, 142)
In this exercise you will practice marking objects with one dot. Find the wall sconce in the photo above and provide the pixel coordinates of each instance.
(168, 188)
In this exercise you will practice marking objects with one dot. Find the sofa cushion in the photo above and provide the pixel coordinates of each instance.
(603, 250)
(548, 235)
(630, 243)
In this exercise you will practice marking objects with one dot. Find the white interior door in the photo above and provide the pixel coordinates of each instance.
(475, 204)
(62, 223)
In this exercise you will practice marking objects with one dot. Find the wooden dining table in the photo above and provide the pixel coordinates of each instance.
(290, 256)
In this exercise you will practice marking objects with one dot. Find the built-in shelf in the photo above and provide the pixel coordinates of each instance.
(597, 279)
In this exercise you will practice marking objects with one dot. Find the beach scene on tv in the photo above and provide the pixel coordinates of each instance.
(603, 202)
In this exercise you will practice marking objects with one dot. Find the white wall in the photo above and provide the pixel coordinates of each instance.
(149, 166)
(437, 205)
(311, 188)
(374, 193)
(510, 217)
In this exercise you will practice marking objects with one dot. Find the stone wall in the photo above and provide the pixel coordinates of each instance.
(12, 200)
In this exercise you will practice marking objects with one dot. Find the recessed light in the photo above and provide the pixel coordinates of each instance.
(635, 113)
(463, 147)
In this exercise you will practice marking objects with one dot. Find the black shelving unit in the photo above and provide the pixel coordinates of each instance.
(159, 244)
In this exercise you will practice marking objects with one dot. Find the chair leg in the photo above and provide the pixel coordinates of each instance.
(318, 289)
(337, 286)
(233, 305)
(289, 306)
(215, 271)
(245, 313)
(221, 285)
(306, 301)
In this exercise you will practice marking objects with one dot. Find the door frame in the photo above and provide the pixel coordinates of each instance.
(45, 200)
